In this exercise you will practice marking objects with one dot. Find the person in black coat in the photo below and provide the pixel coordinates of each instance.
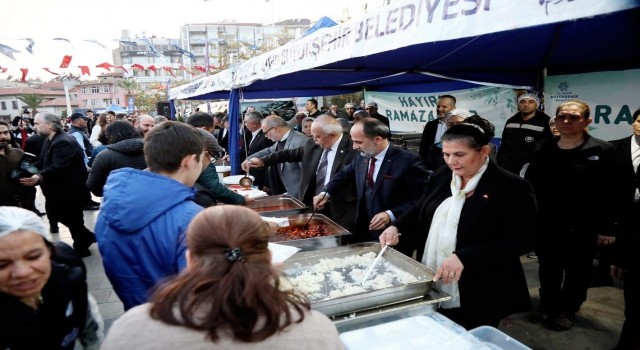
(62, 178)
(626, 262)
(254, 141)
(434, 129)
(474, 220)
(125, 150)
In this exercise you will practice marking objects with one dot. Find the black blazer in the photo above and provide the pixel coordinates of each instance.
(61, 164)
(400, 181)
(496, 226)
(427, 139)
(341, 209)
(629, 240)
(259, 143)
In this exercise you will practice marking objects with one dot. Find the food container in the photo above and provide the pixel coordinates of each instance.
(432, 331)
(494, 339)
(333, 238)
(223, 171)
(280, 205)
(372, 297)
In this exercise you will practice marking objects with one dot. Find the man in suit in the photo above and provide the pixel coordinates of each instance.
(321, 158)
(626, 264)
(282, 177)
(254, 141)
(389, 180)
(434, 129)
(62, 177)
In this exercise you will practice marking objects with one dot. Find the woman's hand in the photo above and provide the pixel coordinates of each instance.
(450, 270)
(390, 236)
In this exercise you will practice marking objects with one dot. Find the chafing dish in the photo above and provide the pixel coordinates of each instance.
(375, 298)
(332, 239)
(280, 205)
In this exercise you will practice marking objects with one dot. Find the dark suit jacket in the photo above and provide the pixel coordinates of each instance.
(629, 241)
(61, 164)
(223, 141)
(341, 209)
(259, 143)
(398, 185)
(496, 226)
(426, 141)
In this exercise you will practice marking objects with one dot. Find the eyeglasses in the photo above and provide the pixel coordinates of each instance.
(266, 132)
(570, 117)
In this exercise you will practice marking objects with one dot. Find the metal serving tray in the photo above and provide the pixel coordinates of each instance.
(280, 205)
(371, 299)
(315, 243)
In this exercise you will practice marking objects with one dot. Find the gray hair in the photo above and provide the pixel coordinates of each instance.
(159, 119)
(328, 124)
(308, 119)
(254, 116)
(13, 219)
(54, 120)
(273, 121)
(349, 105)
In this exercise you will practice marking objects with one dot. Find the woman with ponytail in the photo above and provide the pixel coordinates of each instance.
(229, 296)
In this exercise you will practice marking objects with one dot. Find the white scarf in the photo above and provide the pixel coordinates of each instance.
(441, 241)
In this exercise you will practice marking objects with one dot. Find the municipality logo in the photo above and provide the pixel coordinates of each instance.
(563, 86)
(563, 93)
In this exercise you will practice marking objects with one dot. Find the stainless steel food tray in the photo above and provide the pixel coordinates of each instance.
(315, 243)
(280, 205)
(371, 299)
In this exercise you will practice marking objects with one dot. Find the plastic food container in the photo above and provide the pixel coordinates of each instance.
(496, 340)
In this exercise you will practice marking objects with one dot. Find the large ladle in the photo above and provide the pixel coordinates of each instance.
(306, 226)
(246, 182)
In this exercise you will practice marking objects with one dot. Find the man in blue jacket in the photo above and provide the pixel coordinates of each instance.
(144, 216)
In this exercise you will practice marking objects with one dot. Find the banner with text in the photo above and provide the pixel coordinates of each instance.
(611, 96)
(400, 24)
(410, 112)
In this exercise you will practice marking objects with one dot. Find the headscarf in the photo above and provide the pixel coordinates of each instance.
(14, 219)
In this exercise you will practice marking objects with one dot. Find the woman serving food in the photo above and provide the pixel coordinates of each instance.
(471, 225)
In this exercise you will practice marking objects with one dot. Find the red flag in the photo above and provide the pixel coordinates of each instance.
(25, 71)
(49, 70)
(137, 66)
(105, 65)
(183, 68)
(200, 68)
(152, 67)
(168, 69)
(124, 69)
(3, 70)
(65, 61)
(84, 70)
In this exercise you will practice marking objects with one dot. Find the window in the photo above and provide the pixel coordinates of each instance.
(105, 88)
(106, 101)
(83, 90)
(95, 90)
(95, 102)
(117, 101)
(3, 105)
(14, 104)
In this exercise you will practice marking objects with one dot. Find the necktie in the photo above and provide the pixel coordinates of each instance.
(372, 167)
(321, 173)
(280, 145)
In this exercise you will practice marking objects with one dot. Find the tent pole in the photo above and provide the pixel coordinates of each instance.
(234, 130)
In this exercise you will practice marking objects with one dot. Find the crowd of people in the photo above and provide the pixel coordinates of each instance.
(193, 274)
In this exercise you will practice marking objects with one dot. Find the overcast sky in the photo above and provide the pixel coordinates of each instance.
(77, 20)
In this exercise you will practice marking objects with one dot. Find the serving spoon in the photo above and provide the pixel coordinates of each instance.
(375, 262)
